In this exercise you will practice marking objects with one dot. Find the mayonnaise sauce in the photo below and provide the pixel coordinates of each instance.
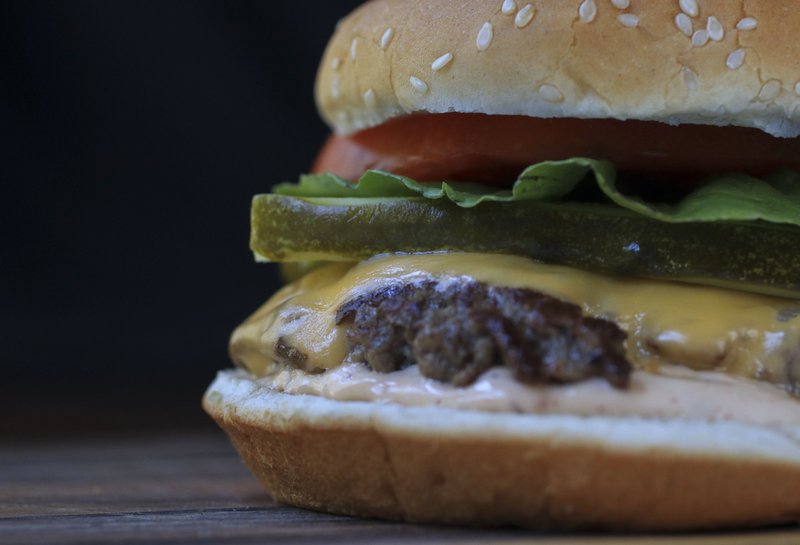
(676, 393)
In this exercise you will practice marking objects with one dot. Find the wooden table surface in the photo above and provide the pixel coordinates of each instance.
(191, 488)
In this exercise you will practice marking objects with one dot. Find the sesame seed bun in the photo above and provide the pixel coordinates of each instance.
(473, 468)
(704, 61)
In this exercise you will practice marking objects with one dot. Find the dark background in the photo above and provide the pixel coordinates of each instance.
(134, 134)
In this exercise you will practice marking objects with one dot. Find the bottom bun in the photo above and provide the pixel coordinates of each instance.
(451, 466)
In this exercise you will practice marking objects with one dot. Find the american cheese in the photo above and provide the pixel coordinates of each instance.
(668, 323)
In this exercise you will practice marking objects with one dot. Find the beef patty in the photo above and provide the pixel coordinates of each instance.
(456, 329)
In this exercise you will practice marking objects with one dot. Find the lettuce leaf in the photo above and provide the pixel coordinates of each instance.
(729, 197)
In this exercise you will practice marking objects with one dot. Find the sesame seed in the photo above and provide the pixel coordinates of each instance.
(621, 4)
(509, 7)
(770, 91)
(735, 59)
(370, 99)
(418, 85)
(441, 62)
(748, 23)
(485, 36)
(690, 78)
(629, 20)
(353, 46)
(587, 11)
(683, 23)
(524, 16)
(336, 63)
(335, 88)
(797, 88)
(386, 39)
(689, 7)
(700, 38)
(715, 30)
(550, 93)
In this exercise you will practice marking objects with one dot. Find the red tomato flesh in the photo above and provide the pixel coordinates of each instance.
(495, 149)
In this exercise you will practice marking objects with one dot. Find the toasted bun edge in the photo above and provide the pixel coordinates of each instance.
(452, 466)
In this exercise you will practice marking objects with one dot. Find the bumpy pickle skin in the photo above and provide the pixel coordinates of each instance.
(748, 256)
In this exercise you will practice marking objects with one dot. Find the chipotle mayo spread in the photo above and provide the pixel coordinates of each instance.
(677, 393)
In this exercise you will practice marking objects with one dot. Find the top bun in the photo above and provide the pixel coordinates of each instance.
(715, 62)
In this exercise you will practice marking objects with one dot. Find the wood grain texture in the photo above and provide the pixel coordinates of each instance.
(192, 488)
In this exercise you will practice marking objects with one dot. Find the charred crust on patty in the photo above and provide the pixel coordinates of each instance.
(290, 355)
(457, 329)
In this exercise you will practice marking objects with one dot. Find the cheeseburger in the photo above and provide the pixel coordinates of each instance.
(545, 272)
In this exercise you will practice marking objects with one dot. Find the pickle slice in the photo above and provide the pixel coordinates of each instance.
(750, 256)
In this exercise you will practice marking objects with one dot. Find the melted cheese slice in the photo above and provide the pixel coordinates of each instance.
(705, 329)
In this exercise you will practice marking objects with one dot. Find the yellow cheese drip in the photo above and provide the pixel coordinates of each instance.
(668, 323)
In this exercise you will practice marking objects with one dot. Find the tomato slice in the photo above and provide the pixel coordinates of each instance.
(495, 149)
